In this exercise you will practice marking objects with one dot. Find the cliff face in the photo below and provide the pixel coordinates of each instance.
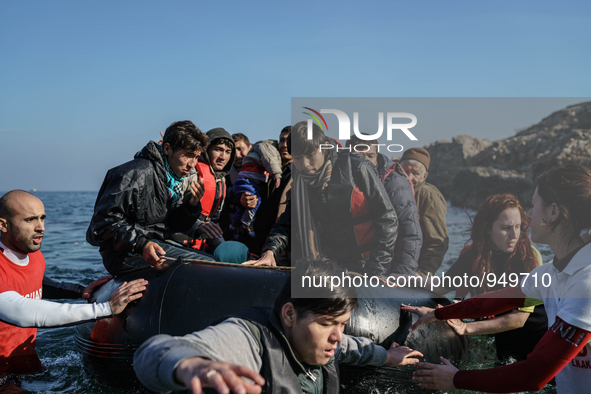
(467, 170)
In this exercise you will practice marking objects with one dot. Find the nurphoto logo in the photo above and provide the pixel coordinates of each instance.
(345, 128)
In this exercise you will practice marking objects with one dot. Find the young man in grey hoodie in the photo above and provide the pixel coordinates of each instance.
(295, 346)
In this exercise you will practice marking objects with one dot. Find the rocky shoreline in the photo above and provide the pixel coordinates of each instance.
(467, 170)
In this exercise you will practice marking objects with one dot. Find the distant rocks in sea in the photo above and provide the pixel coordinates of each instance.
(467, 170)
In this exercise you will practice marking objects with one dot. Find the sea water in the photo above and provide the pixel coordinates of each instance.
(70, 258)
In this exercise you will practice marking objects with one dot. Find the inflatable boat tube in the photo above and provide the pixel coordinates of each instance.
(183, 297)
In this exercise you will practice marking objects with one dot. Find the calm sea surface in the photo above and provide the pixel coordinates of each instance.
(70, 258)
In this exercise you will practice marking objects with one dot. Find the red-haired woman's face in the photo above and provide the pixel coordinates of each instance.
(506, 230)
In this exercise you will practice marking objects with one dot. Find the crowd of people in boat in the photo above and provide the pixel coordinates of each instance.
(225, 199)
(216, 197)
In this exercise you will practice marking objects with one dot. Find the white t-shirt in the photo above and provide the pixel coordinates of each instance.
(567, 294)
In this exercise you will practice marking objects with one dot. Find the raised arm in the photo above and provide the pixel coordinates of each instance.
(158, 361)
(550, 356)
(197, 372)
(29, 312)
(510, 321)
(491, 303)
(362, 351)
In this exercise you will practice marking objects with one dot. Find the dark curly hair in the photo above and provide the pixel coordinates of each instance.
(322, 301)
(185, 135)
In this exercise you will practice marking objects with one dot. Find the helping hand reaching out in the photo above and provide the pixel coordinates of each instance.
(126, 293)
(196, 372)
(426, 315)
(401, 355)
(436, 376)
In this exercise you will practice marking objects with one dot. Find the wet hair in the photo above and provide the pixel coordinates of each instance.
(522, 258)
(298, 142)
(341, 300)
(569, 187)
(222, 141)
(354, 140)
(185, 135)
(241, 137)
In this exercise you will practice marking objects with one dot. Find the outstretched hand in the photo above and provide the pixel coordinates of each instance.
(94, 286)
(436, 376)
(401, 355)
(196, 373)
(458, 326)
(126, 293)
(426, 315)
(267, 259)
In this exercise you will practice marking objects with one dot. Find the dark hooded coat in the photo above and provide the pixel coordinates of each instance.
(332, 209)
(410, 236)
(213, 198)
(134, 206)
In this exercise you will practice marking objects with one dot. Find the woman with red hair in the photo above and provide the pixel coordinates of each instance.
(561, 209)
(502, 251)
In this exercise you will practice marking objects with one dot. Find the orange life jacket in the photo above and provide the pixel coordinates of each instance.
(213, 198)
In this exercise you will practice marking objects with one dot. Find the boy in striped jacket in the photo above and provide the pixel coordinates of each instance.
(262, 163)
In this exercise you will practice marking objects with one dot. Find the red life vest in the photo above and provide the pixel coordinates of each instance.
(213, 198)
(17, 345)
(365, 230)
(345, 206)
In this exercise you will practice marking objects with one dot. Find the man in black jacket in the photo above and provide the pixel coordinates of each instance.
(341, 208)
(143, 201)
(296, 346)
(400, 192)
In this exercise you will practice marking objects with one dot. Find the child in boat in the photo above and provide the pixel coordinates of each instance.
(262, 162)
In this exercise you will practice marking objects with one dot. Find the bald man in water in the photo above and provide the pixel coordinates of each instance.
(22, 285)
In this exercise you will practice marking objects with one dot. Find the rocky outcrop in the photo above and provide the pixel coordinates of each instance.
(467, 170)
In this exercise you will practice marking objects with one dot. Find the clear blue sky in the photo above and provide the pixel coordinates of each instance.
(85, 84)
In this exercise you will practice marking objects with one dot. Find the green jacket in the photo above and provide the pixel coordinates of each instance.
(432, 209)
